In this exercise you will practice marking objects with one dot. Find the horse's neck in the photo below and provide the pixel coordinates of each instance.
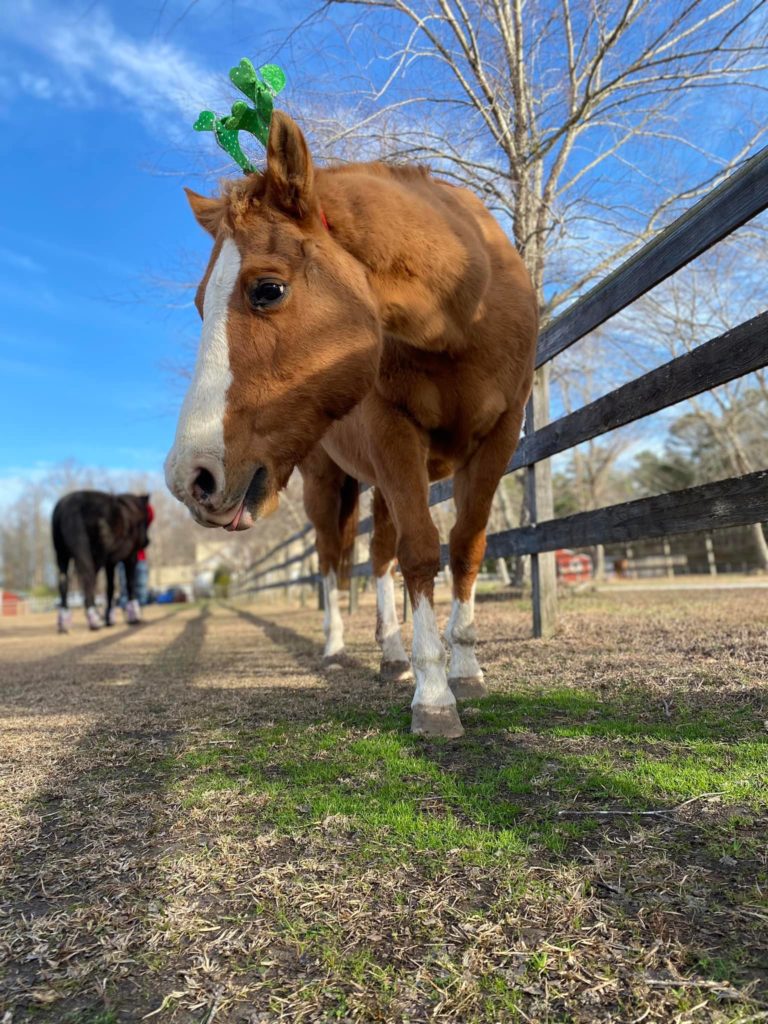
(426, 264)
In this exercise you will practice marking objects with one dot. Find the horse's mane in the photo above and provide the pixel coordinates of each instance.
(238, 195)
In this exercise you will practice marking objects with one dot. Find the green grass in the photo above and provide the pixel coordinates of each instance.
(493, 794)
(402, 806)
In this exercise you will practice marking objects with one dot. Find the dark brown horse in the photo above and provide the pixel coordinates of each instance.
(99, 530)
(365, 323)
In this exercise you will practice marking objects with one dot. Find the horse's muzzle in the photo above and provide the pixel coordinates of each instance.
(253, 502)
(257, 490)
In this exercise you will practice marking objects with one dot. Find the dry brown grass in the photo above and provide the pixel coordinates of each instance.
(197, 825)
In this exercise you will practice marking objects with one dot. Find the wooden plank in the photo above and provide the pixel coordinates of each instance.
(246, 585)
(278, 547)
(739, 198)
(730, 355)
(739, 501)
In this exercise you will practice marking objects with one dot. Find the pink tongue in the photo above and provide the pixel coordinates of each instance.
(233, 525)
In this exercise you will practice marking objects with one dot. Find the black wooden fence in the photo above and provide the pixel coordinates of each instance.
(733, 502)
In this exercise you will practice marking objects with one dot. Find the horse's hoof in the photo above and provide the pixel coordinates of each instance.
(132, 613)
(334, 662)
(396, 671)
(427, 721)
(468, 687)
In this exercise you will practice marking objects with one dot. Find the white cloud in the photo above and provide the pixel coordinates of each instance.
(88, 60)
(20, 261)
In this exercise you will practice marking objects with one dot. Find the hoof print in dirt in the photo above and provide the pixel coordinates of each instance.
(468, 687)
(396, 672)
(444, 722)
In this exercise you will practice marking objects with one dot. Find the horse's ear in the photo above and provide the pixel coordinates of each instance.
(290, 173)
(208, 212)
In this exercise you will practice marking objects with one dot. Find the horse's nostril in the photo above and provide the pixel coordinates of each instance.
(203, 486)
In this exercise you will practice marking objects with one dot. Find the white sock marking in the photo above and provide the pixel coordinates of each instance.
(432, 687)
(200, 430)
(133, 612)
(332, 624)
(387, 626)
(461, 635)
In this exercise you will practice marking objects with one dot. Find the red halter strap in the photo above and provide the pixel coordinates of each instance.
(324, 220)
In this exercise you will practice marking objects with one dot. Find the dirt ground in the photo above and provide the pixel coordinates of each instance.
(198, 825)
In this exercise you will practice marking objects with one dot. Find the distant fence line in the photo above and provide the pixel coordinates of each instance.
(736, 501)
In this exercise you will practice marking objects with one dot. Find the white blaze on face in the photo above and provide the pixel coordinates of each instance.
(428, 660)
(462, 636)
(388, 629)
(333, 624)
(200, 431)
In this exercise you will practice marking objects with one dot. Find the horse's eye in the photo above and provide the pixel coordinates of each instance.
(266, 293)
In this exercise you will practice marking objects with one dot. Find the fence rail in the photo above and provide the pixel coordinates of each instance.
(742, 350)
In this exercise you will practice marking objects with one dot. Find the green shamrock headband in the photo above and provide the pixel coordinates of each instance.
(253, 119)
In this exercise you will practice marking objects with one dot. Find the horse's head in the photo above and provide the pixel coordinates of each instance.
(289, 342)
(138, 513)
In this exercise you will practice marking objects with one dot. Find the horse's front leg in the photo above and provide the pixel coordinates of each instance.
(473, 489)
(401, 472)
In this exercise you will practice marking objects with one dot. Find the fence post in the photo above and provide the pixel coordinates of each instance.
(711, 561)
(406, 602)
(631, 567)
(538, 481)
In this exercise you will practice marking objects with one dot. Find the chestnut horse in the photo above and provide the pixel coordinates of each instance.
(364, 323)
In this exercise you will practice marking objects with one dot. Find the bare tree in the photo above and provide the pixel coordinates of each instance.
(560, 111)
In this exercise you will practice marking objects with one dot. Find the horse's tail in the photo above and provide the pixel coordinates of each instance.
(348, 518)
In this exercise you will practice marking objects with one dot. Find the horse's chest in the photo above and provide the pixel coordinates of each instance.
(453, 404)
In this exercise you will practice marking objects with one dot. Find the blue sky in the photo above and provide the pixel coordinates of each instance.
(96, 106)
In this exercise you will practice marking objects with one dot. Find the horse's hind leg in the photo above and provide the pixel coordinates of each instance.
(109, 615)
(473, 489)
(86, 570)
(330, 500)
(63, 616)
(394, 661)
(132, 608)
